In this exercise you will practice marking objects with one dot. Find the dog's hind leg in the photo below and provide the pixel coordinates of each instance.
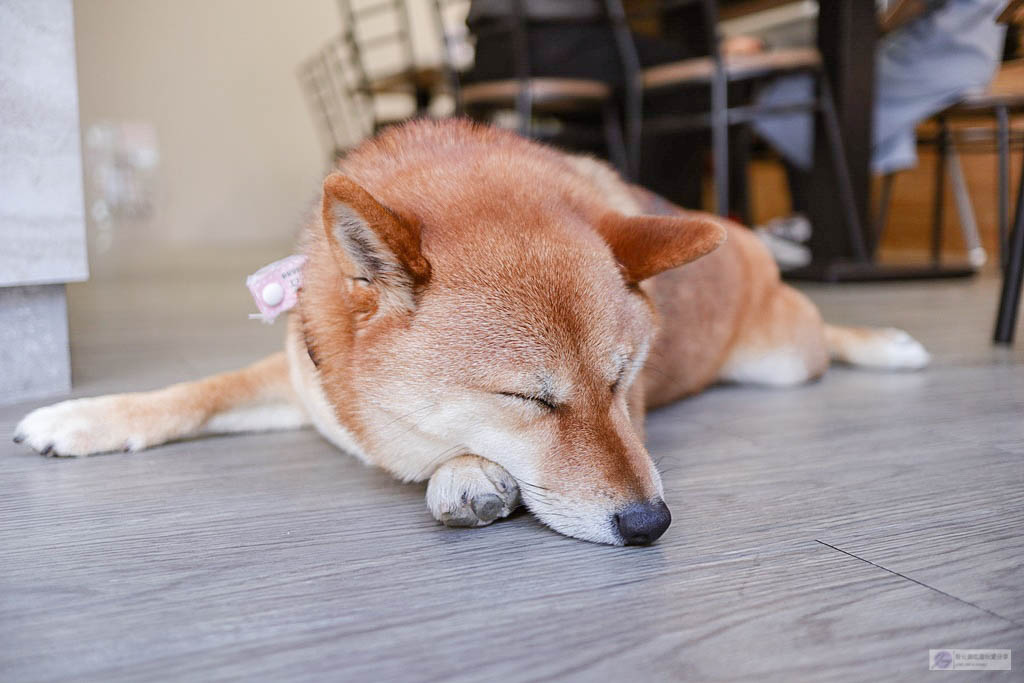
(870, 347)
(256, 398)
(785, 342)
(781, 344)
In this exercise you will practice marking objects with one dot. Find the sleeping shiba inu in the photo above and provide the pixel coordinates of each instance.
(478, 311)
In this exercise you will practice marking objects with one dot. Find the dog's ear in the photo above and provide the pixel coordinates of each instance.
(648, 245)
(371, 243)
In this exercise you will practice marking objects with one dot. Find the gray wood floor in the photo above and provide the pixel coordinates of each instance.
(832, 533)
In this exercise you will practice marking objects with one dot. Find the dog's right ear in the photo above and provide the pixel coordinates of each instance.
(647, 245)
(371, 243)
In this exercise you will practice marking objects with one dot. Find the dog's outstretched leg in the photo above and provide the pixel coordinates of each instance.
(470, 491)
(257, 398)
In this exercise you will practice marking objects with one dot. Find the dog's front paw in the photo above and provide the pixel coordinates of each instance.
(86, 426)
(470, 491)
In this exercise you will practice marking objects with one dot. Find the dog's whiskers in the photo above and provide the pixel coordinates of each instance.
(411, 412)
(533, 486)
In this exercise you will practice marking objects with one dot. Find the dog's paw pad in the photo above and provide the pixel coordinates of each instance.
(487, 507)
(469, 491)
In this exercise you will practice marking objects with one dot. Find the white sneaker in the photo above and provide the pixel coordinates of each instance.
(787, 254)
(795, 227)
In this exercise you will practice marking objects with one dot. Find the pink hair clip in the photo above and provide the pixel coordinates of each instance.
(275, 287)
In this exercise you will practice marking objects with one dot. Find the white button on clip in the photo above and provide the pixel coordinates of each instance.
(272, 294)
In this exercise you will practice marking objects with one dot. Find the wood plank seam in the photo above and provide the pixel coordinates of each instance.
(920, 583)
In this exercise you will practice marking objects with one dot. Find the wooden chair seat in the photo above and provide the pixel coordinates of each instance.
(560, 94)
(1006, 90)
(428, 78)
(737, 67)
(972, 104)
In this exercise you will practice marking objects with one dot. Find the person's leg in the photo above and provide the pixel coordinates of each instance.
(925, 67)
(791, 134)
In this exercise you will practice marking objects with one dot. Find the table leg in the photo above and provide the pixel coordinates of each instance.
(847, 34)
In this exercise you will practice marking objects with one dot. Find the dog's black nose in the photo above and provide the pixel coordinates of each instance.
(643, 523)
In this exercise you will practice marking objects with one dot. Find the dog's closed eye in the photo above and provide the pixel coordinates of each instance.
(539, 400)
(614, 386)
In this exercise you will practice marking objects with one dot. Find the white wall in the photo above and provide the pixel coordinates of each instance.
(239, 155)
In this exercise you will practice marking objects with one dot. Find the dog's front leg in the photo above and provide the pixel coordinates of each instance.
(257, 398)
(470, 491)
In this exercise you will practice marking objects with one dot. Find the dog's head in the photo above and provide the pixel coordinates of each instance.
(513, 328)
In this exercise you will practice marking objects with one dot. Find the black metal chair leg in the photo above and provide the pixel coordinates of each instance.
(739, 165)
(841, 169)
(1003, 174)
(614, 142)
(1009, 299)
(634, 126)
(633, 90)
(521, 59)
(882, 217)
(720, 142)
(938, 203)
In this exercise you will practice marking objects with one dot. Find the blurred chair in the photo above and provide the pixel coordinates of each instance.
(576, 113)
(715, 72)
(949, 144)
(1005, 96)
(379, 33)
(368, 77)
(948, 166)
(1002, 103)
(344, 111)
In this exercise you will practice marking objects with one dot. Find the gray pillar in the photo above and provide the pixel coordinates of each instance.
(42, 226)
(33, 342)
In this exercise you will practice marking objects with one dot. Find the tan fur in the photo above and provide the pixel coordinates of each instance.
(494, 316)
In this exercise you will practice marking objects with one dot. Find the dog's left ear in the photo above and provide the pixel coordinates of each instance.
(648, 245)
(372, 243)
